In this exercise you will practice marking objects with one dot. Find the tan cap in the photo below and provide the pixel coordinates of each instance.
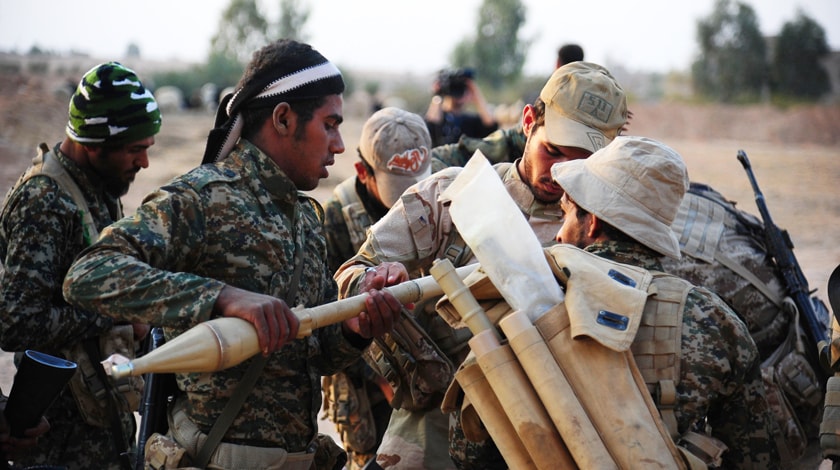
(584, 106)
(396, 143)
(635, 184)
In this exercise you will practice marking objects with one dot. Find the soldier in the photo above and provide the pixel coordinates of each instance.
(235, 237)
(560, 126)
(619, 204)
(723, 249)
(394, 153)
(52, 213)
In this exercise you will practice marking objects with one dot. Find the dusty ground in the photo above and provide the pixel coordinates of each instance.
(795, 156)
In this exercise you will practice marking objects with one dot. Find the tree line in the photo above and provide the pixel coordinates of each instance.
(735, 64)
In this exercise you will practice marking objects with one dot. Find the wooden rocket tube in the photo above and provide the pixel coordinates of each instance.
(460, 296)
(555, 392)
(520, 402)
(492, 414)
(225, 342)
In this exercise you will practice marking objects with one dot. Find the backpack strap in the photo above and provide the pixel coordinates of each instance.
(700, 223)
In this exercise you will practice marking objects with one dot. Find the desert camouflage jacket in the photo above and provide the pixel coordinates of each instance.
(720, 377)
(237, 222)
(40, 236)
(418, 228)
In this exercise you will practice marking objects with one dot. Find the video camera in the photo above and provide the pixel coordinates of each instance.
(453, 82)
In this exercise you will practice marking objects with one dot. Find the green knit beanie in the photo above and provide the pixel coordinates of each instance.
(111, 107)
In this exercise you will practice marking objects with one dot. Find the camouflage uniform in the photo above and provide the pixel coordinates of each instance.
(737, 235)
(720, 386)
(417, 230)
(237, 222)
(720, 376)
(503, 145)
(40, 236)
(341, 245)
(722, 248)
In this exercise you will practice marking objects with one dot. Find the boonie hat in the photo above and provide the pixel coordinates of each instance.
(396, 143)
(584, 106)
(111, 106)
(635, 184)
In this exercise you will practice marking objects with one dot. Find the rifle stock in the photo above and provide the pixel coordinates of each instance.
(780, 247)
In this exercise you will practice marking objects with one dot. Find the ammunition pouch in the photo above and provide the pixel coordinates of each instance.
(90, 394)
(793, 393)
(414, 365)
(349, 407)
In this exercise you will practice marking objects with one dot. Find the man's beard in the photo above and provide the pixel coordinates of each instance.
(116, 187)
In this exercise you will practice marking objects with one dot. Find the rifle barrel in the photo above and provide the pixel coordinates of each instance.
(781, 249)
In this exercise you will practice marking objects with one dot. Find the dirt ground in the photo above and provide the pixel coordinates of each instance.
(795, 155)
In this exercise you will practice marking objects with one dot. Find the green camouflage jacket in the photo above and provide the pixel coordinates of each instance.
(230, 223)
(40, 236)
(502, 145)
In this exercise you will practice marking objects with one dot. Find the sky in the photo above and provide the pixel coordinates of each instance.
(399, 36)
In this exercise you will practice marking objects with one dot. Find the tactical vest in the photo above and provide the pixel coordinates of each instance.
(356, 216)
(656, 350)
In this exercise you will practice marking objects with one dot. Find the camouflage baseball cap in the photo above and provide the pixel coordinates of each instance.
(396, 143)
(635, 184)
(111, 106)
(584, 106)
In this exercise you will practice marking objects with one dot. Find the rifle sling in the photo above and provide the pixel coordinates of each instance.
(91, 346)
(749, 276)
(220, 427)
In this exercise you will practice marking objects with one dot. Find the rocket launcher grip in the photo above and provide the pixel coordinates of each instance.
(225, 342)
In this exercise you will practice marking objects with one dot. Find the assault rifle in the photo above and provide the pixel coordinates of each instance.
(158, 390)
(780, 247)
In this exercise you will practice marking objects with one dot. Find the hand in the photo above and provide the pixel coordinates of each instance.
(140, 330)
(382, 309)
(386, 274)
(10, 445)
(274, 321)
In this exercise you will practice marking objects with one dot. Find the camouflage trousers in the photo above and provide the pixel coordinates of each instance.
(416, 440)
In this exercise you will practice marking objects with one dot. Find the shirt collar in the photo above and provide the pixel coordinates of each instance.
(273, 178)
(524, 197)
(631, 253)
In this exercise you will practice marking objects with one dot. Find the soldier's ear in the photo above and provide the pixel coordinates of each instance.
(594, 226)
(361, 171)
(281, 118)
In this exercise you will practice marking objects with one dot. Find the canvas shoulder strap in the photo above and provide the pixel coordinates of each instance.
(232, 407)
(658, 343)
(51, 167)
